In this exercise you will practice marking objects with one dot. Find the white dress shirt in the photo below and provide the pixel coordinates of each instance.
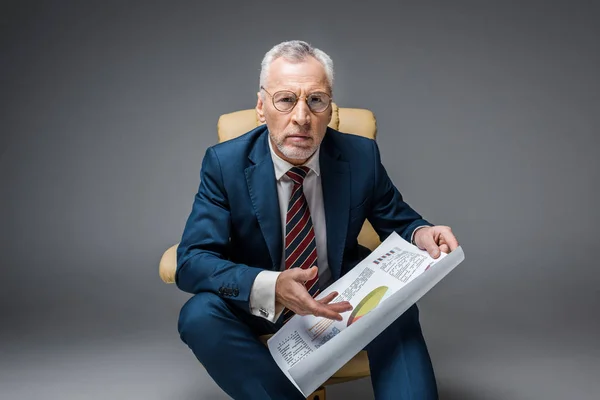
(262, 294)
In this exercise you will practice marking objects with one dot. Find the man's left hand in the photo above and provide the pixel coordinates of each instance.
(435, 239)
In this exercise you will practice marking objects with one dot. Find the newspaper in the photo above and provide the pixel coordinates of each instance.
(381, 288)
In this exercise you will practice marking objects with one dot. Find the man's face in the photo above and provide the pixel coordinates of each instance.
(296, 134)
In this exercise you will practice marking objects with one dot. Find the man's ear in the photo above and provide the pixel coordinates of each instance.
(260, 112)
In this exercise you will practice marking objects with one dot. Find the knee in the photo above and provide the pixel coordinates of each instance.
(199, 314)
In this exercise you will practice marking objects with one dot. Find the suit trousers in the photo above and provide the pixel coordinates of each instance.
(226, 341)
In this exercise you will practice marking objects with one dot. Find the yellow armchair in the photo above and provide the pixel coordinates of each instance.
(358, 121)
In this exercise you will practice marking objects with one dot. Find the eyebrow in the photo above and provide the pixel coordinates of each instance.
(308, 91)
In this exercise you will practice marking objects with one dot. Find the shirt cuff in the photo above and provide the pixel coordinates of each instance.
(262, 296)
(412, 237)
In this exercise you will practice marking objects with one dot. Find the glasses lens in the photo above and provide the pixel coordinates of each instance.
(318, 102)
(284, 101)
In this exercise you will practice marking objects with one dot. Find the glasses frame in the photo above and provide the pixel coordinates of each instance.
(305, 98)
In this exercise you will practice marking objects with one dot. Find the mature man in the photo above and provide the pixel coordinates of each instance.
(286, 196)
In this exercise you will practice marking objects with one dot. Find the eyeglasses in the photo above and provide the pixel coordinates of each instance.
(286, 100)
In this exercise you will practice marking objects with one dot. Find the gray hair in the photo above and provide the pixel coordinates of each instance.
(296, 51)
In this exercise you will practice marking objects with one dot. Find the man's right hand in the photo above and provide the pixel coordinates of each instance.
(290, 292)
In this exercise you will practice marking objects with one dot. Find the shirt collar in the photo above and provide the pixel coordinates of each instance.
(282, 166)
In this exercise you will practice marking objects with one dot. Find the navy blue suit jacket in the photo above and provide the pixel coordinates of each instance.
(234, 229)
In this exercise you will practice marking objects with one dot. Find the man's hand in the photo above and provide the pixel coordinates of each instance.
(291, 293)
(435, 239)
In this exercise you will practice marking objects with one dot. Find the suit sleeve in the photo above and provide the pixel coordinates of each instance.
(389, 212)
(203, 254)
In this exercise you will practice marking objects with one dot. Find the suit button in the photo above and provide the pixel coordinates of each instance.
(236, 292)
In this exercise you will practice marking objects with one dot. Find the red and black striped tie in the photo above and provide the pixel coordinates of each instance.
(300, 242)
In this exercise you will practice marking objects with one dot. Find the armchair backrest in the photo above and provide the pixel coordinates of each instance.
(353, 120)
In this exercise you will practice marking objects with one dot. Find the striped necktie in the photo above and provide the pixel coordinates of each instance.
(300, 242)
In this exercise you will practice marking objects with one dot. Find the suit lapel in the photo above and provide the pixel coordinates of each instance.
(262, 187)
(335, 181)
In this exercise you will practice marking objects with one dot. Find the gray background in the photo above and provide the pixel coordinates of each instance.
(488, 117)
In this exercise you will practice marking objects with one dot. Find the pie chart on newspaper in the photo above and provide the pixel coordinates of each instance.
(368, 303)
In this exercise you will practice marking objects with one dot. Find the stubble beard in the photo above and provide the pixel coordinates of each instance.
(294, 152)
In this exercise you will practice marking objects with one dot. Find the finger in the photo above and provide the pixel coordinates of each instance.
(444, 248)
(308, 301)
(307, 274)
(328, 298)
(321, 310)
(305, 305)
(430, 245)
(452, 242)
(340, 307)
(332, 311)
(450, 239)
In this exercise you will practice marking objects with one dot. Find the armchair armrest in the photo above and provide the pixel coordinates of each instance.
(168, 265)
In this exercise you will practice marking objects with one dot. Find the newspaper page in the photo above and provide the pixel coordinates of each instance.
(381, 288)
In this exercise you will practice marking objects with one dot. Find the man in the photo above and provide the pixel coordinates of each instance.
(283, 197)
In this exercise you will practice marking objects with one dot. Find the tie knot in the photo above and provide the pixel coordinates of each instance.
(297, 174)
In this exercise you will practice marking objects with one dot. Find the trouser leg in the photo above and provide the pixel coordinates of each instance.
(401, 368)
(225, 341)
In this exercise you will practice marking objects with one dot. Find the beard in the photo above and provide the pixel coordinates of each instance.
(295, 152)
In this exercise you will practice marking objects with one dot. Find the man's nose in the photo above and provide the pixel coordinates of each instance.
(302, 113)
